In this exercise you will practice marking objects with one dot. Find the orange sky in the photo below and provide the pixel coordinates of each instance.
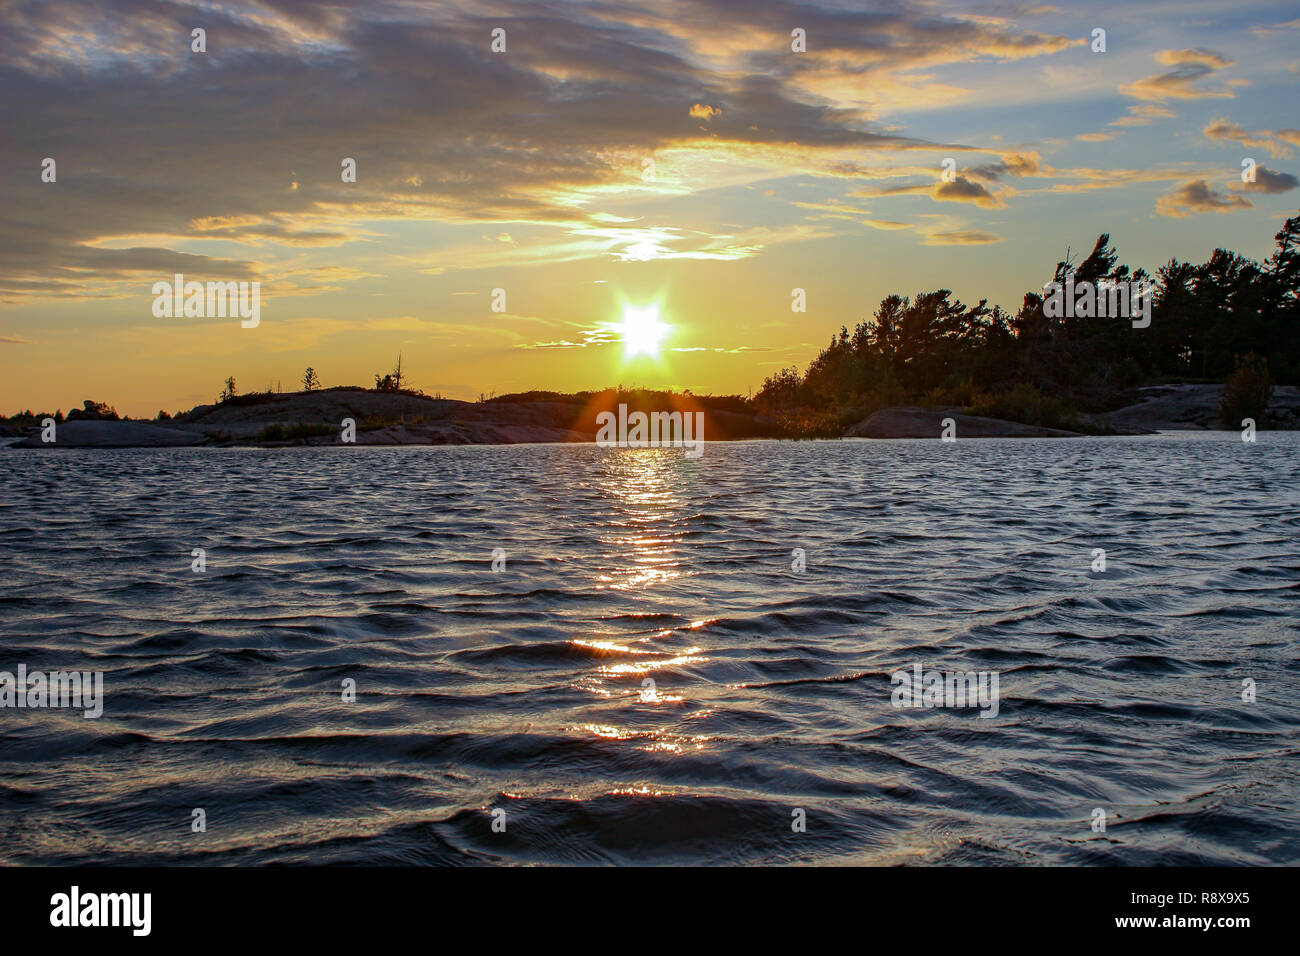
(678, 154)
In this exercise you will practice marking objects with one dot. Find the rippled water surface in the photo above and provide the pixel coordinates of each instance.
(522, 689)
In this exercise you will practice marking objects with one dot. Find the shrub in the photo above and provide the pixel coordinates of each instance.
(294, 432)
(1247, 391)
(251, 398)
(807, 425)
(1027, 405)
(374, 422)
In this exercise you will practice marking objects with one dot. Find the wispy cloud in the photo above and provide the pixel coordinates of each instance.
(961, 237)
(1278, 142)
(1183, 81)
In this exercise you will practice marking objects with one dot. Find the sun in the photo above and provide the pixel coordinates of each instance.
(642, 330)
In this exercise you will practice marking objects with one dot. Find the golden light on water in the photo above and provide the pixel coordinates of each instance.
(647, 523)
(648, 517)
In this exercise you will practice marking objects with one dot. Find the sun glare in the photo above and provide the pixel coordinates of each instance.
(641, 330)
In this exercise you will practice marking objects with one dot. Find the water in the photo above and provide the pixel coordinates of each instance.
(521, 690)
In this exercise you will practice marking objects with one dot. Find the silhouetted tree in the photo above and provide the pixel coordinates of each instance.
(932, 348)
(390, 381)
(94, 410)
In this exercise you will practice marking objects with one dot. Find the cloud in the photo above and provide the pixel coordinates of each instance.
(441, 129)
(735, 350)
(1269, 181)
(1011, 164)
(1197, 196)
(874, 58)
(1087, 179)
(960, 189)
(1277, 143)
(1199, 57)
(1269, 28)
(961, 237)
(607, 334)
(1189, 66)
(560, 344)
(1142, 114)
(968, 186)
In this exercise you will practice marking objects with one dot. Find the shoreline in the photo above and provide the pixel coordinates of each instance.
(386, 419)
(341, 447)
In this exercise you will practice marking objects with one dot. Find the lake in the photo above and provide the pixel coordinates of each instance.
(569, 654)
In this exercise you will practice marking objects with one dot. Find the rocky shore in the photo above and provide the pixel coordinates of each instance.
(910, 422)
(382, 418)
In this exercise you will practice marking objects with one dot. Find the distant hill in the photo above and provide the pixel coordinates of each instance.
(408, 418)
(397, 418)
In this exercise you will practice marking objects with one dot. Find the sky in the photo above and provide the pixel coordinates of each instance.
(696, 157)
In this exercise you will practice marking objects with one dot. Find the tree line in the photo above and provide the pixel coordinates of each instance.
(1207, 319)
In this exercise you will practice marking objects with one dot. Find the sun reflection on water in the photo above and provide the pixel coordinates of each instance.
(650, 741)
(648, 522)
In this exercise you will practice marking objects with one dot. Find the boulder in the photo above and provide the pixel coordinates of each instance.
(90, 433)
(909, 422)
